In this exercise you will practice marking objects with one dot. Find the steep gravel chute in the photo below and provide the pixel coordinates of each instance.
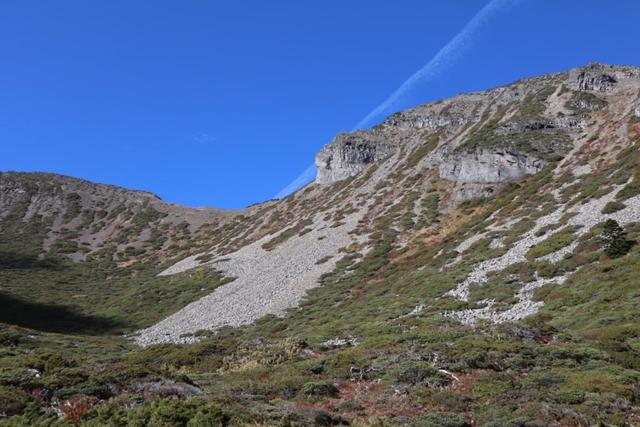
(267, 282)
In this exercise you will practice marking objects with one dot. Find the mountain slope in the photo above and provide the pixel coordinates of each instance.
(79, 219)
(441, 155)
(84, 256)
(451, 266)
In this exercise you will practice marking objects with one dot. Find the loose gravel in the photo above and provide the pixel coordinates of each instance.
(271, 282)
(586, 216)
(267, 282)
(523, 308)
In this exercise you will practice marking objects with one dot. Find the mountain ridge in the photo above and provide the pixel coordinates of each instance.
(470, 261)
(540, 106)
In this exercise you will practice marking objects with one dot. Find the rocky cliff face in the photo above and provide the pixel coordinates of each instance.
(488, 166)
(489, 137)
(348, 154)
(373, 294)
(592, 79)
(412, 172)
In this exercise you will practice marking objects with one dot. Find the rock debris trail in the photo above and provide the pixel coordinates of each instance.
(267, 282)
(524, 307)
(467, 243)
(585, 215)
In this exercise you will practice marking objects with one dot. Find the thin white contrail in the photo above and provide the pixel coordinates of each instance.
(459, 44)
(445, 56)
(304, 178)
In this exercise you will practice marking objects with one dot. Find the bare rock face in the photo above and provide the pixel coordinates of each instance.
(478, 141)
(415, 119)
(458, 111)
(348, 154)
(487, 166)
(571, 122)
(592, 78)
(510, 128)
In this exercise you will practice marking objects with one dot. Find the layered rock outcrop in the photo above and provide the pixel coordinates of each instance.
(427, 120)
(413, 168)
(600, 77)
(592, 79)
(478, 141)
(348, 154)
(487, 166)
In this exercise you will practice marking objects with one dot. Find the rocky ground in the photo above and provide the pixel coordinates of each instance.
(484, 140)
(485, 207)
(266, 282)
(585, 216)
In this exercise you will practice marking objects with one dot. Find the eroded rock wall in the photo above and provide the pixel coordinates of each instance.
(348, 154)
(487, 166)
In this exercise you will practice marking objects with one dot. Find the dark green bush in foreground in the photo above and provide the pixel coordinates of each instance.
(615, 239)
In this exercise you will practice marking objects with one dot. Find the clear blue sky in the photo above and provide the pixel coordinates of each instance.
(224, 103)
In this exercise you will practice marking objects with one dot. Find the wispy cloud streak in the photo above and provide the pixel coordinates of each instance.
(304, 178)
(453, 50)
(202, 137)
(443, 59)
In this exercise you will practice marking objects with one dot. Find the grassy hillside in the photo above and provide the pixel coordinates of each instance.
(581, 352)
(514, 307)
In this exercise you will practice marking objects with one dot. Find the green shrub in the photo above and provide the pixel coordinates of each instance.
(349, 406)
(320, 388)
(612, 207)
(503, 291)
(73, 207)
(286, 234)
(430, 204)
(547, 269)
(541, 378)
(194, 412)
(491, 384)
(99, 391)
(553, 243)
(19, 377)
(615, 240)
(568, 397)
(13, 400)
(50, 361)
(428, 376)
(630, 190)
(204, 258)
(436, 419)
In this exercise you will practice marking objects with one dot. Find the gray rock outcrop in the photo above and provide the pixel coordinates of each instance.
(484, 139)
(487, 166)
(571, 122)
(592, 78)
(415, 119)
(510, 128)
(427, 160)
(348, 154)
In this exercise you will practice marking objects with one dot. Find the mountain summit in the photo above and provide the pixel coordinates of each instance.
(470, 261)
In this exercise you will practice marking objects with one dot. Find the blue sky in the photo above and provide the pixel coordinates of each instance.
(225, 103)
